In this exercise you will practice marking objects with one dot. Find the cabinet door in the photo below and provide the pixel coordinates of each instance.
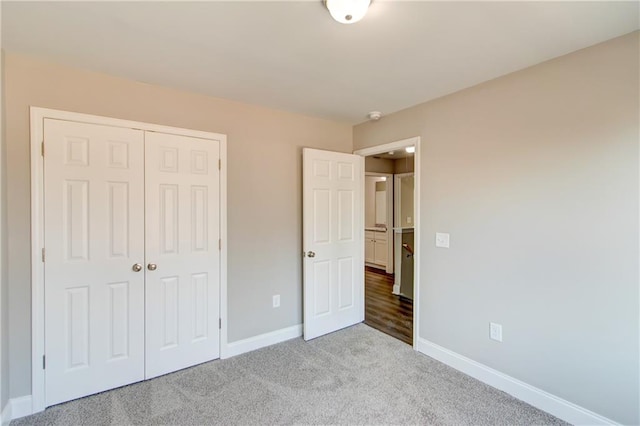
(380, 250)
(369, 246)
(369, 250)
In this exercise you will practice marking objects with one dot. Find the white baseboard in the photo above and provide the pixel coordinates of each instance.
(5, 417)
(396, 289)
(261, 341)
(16, 408)
(545, 401)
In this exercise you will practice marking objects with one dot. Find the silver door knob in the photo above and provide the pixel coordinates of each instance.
(136, 267)
(311, 254)
(152, 266)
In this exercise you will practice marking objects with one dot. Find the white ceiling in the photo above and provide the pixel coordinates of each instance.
(293, 56)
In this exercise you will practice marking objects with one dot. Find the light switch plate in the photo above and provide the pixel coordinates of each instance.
(495, 331)
(442, 240)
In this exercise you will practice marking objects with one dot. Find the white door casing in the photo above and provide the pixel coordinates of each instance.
(333, 240)
(393, 146)
(94, 224)
(182, 239)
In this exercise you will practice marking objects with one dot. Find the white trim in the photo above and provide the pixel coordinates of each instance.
(16, 408)
(37, 266)
(5, 417)
(360, 234)
(415, 141)
(20, 407)
(224, 329)
(397, 206)
(262, 340)
(543, 400)
(37, 117)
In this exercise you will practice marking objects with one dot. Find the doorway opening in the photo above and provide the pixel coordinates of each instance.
(391, 222)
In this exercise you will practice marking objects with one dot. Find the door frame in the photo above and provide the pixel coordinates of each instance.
(393, 146)
(37, 117)
(390, 212)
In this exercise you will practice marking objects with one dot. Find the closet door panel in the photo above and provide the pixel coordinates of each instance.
(182, 252)
(93, 235)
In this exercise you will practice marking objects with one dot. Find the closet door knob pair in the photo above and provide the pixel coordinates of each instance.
(137, 267)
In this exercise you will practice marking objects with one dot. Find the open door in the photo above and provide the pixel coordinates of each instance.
(333, 241)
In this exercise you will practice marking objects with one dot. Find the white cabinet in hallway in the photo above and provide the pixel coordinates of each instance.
(376, 248)
(380, 255)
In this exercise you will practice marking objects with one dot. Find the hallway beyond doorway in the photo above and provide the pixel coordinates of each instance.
(385, 311)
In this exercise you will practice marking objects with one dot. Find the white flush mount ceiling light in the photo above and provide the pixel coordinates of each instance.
(410, 149)
(347, 11)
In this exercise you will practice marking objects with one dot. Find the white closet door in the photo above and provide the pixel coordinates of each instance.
(94, 224)
(182, 236)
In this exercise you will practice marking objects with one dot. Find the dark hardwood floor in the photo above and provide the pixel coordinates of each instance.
(385, 311)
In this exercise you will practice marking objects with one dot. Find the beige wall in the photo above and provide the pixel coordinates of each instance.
(535, 176)
(406, 219)
(264, 187)
(378, 165)
(403, 165)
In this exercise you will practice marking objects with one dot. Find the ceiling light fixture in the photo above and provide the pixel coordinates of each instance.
(347, 11)
(410, 149)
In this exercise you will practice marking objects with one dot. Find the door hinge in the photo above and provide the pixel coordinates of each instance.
(220, 323)
(42, 254)
(42, 148)
(219, 164)
(220, 244)
(44, 362)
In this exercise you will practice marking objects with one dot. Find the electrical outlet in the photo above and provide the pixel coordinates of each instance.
(408, 219)
(495, 331)
(276, 301)
(442, 240)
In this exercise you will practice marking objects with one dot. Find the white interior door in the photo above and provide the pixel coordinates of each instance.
(333, 241)
(182, 240)
(93, 235)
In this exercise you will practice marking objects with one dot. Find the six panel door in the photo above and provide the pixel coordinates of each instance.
(333, 289)
(132, 271)
(182, 252)
(94, 224)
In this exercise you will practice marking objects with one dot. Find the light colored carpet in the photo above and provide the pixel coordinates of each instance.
(354, 376)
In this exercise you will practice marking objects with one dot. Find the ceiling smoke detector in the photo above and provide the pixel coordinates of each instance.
(374, 115)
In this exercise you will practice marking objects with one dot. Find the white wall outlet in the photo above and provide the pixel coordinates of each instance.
(408, 219)
(442, 240)
(276, 301)
(495, 331)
